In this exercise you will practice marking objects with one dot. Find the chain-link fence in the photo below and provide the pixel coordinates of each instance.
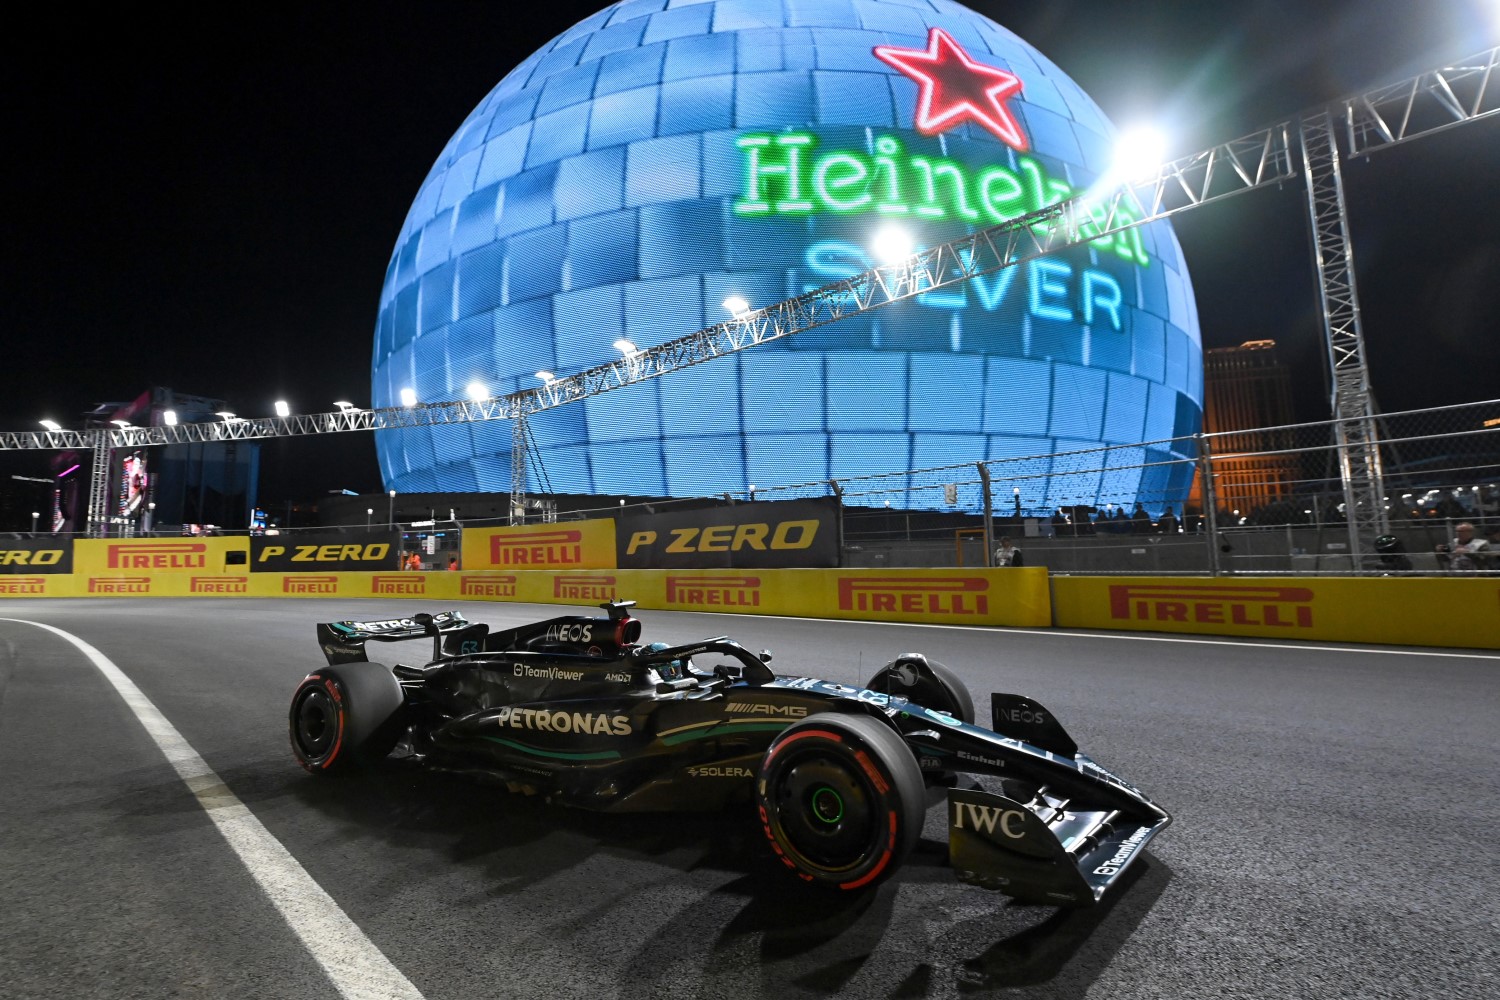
(1263, 500)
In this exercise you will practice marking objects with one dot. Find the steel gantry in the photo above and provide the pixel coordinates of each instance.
(1433, 101)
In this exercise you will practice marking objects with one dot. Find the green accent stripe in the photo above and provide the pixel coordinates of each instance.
(754, 727)
(600, 755)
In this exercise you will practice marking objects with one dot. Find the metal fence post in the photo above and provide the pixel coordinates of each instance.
(838, 493)
(1210, 503)
(989, 514)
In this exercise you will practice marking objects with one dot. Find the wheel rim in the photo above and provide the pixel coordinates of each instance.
(827, 812)
(317, 723)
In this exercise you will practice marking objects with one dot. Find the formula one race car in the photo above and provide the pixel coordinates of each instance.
(573, 708)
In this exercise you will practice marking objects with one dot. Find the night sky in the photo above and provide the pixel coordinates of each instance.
(170, 217)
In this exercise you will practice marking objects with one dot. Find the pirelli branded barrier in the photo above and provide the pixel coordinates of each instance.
(100, 559)
(1459, 612)
(1409, 611)
(791, 534)
(31, 556)
(786, 534)
(568, 546)
(976, 597)
(325, 553)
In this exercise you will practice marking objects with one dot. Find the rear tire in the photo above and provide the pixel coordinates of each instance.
(841, 800)
(346, 715)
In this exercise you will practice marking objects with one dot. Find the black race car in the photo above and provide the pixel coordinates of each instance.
(575, 709)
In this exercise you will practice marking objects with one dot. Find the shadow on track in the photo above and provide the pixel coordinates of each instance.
(770, 927)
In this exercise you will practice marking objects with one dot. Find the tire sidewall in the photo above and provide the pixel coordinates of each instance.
(365, 705)
(860, 744)
(954, 697)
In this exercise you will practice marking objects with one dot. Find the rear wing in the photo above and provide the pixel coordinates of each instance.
(344, 642)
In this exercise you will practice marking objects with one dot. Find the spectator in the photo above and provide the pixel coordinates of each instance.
(1007, 554)
(453, 564)
(414, 561)
(1168, 523)
(1141, 520)
(1466, 552)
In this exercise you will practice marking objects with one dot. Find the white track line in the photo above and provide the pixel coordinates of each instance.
(358, 969)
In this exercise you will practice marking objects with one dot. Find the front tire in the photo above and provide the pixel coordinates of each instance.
(841, 800)
(346, 715)
(948, 694)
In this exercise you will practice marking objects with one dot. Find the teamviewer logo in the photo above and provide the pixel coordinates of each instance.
(1285, 607)
(943, 595)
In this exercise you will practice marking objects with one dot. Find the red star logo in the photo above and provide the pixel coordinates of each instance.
(956, 89)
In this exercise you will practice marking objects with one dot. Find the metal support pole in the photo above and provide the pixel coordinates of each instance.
(98, 500)
(838, 492)
(518, 445)
(1210, 504)
(989, 515)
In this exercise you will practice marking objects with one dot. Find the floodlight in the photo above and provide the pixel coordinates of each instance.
(1139, 153)
(478, 392)
(282, 409)
(736, 305)
(51, 425)
(892, 244)
(408, 397)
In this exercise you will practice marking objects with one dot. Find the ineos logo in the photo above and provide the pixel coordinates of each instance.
(1023, 715)
(571, 633)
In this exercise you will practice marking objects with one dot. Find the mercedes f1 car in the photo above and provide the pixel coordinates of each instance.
(575, 709)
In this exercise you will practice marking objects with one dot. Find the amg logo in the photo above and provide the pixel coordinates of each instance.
(308, 584)
(718, 591)
(487, 586)
(957, 595)
(755, 708)
(119, 585)
(542, 548)
(1287, 607)
(31, 557)
(159, 555)
(593, 588)
(15, 585)
(398, 585)
(984, 819)
(218, 585)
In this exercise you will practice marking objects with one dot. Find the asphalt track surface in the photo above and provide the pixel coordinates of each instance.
(1335, 819)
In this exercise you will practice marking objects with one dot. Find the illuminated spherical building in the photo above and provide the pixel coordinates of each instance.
(648, 164)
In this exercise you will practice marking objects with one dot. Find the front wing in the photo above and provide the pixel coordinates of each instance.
(1079, 829)
(1041, 851)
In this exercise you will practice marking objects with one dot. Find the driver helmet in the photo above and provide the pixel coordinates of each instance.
(674, 666)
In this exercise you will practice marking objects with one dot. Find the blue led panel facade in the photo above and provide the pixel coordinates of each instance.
(664, 155)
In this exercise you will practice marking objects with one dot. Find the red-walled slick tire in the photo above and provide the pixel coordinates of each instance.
(841, 800)
(346, 715)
